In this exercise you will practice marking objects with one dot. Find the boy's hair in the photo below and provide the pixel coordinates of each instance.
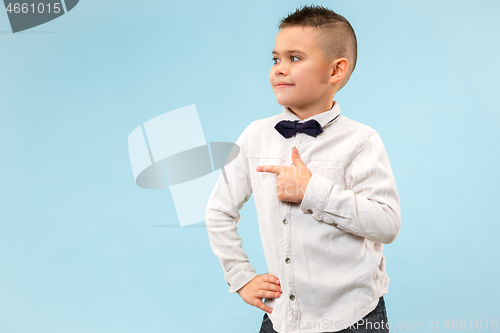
(337, 37)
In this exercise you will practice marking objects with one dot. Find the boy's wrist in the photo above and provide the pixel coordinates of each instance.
(240, 276)
(316, 195)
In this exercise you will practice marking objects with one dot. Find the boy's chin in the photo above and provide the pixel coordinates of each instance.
(285, 102)
(288, 106)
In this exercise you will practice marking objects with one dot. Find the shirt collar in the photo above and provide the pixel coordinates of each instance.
(322, 118)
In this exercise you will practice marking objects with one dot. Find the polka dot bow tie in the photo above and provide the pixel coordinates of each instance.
(288, 128)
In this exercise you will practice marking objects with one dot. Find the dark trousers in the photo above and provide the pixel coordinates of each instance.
(374, 322)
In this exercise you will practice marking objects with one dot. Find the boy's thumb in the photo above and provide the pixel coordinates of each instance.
(296, 158)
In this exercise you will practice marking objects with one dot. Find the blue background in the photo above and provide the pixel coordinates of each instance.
(78, 252)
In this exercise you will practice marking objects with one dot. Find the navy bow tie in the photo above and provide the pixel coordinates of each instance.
(288, 128)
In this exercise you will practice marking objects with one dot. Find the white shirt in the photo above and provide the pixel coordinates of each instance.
(327, 250)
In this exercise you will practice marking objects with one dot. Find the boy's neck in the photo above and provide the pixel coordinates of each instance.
(311, 111)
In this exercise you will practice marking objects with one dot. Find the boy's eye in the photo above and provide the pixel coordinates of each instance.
(291, 57)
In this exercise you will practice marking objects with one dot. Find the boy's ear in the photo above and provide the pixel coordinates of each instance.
(339, 70)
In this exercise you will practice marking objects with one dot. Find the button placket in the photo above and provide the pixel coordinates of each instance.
(287, 255)
(294, 314)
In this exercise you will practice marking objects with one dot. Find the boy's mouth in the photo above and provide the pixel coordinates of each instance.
(280, 85)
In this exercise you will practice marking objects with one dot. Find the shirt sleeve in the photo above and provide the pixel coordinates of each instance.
(369, 206)
(231, 191)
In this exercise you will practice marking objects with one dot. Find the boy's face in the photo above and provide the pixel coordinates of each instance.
(304, 69)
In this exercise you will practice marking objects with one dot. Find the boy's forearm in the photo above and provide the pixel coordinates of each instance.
(378, 222)
(226, 245)
(370, 207)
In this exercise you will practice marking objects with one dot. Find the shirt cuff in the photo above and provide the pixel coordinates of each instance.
(239, 276)
(316, 196)
(321, 196)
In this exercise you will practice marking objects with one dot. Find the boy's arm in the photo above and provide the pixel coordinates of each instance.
(369, 207)
(232, 190)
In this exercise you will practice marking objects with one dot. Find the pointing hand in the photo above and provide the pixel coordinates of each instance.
(292, 180)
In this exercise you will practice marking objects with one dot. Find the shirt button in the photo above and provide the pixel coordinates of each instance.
(335, 224)
(285, 221)
(310, 211)
(292, 297)
(287, 260)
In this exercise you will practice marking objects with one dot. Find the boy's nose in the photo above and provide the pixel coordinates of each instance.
(281, 71)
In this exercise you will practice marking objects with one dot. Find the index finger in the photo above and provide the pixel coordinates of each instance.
(269, 168)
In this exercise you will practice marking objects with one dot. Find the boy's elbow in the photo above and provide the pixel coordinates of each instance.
(393, 228)
(391, 237)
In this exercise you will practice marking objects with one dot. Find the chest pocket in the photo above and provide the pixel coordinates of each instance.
(327, 169)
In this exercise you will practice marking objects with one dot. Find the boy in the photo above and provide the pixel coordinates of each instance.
(324, 215)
